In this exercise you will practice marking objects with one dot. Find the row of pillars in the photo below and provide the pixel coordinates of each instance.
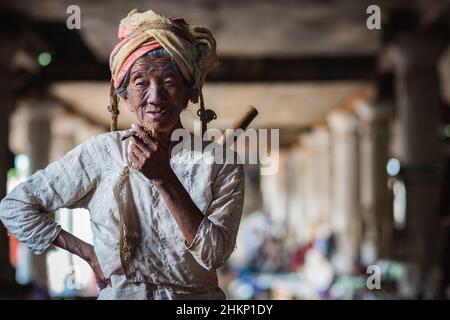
(334, 181)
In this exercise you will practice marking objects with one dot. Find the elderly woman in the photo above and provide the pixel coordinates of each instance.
(161, 223)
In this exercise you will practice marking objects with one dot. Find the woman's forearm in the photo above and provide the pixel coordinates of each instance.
(69, 242)
(85, 251)
(180, 204)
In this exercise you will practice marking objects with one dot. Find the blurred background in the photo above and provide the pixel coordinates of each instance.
(359, 208)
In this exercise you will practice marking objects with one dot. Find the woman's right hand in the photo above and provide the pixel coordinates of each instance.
(91, 259)
(85, 251)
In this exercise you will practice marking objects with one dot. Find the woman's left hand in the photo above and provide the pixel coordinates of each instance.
(150, 154)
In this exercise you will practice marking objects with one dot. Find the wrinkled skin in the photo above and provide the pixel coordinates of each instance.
(156, 86)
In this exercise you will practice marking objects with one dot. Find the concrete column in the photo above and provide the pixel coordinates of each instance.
(309, 178)
(316, 178)
(346, 217)
(275, 194)
(37, 114)
(6, 270)
(418, 101)
(322, 155)
(296, 222)
(10, 45)
(375, 206)
(63, 131)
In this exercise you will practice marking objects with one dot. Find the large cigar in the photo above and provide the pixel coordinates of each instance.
(128, 134)
(241, 122)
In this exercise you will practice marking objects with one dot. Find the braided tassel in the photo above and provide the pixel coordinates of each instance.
(113, 106)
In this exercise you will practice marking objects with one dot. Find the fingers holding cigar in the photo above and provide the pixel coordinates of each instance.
(154, 137)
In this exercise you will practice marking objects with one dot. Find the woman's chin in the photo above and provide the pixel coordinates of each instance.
(156, 125)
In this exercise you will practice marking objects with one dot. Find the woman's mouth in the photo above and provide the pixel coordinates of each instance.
(158, 114)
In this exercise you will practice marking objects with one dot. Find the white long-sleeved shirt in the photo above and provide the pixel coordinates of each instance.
(97, 175)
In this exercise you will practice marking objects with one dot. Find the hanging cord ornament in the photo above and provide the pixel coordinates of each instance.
(113, 106)
(205, 115)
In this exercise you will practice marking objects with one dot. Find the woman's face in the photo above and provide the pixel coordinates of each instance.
(156, 94)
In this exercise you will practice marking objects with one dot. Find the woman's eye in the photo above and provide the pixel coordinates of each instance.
(141, 83)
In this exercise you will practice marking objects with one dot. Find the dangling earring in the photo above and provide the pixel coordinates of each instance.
(205, 115)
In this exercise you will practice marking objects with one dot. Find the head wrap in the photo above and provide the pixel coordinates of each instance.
(192, 48)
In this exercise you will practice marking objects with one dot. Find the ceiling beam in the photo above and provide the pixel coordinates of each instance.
(73, 61)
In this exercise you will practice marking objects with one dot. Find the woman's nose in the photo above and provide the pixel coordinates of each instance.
(155, 94)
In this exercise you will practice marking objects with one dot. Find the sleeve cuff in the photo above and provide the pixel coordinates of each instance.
(197, 239)
(51, 238)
